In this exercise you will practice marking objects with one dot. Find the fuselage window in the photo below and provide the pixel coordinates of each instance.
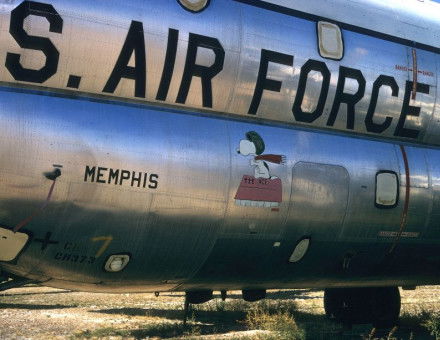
(330, 42)
(194, 6)
(387, 189)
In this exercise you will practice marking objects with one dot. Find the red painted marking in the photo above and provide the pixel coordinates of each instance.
(259, 189)
(276, 209)
(22, 223)
(407, 234)
(409, 69)
(404, 217)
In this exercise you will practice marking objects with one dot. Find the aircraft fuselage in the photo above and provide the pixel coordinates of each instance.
(217, 150)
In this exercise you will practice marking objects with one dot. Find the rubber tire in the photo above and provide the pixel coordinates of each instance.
(385, 307)
(333, 302)
(379, 305)
(347, 305)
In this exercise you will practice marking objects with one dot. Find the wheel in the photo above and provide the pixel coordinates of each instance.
(379, 306)
(347, 305)
(385, 307)
(333, 302)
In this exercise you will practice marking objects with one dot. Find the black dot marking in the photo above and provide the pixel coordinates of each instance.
(73, 82)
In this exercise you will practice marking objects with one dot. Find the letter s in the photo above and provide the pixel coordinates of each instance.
(24, 40)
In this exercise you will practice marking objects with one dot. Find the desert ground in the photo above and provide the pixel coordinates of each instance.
(34, 312)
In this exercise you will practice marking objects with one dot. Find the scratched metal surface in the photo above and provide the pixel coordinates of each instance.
(93, 35)
(189, 231)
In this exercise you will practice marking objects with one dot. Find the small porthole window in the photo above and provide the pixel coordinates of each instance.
(300, 250)
(387, 192)
(116, 263)
(331, 45)
(194, 6)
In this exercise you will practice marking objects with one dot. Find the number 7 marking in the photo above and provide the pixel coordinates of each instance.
(107, 240)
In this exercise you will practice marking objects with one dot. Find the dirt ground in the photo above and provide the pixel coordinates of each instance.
(36, 312)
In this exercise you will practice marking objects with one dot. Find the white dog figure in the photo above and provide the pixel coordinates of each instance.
(254, 145)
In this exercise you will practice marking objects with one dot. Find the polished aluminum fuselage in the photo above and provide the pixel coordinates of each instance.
(180, 222)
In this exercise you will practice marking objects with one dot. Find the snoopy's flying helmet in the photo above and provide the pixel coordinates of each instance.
(255, 138)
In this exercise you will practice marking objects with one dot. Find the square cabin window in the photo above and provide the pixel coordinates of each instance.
(330, 42)
(387, 189)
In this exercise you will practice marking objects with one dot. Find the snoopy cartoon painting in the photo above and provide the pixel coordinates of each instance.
(260, 189)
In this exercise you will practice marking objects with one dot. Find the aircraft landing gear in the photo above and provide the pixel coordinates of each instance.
(185, 311)
(195, 297)
(377, 305)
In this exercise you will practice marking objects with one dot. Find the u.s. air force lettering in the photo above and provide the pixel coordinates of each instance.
(345, 97)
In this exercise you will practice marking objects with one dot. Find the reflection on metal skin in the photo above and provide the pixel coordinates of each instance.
(144, 114)
(191, 61)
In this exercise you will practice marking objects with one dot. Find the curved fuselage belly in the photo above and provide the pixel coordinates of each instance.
(166, 187)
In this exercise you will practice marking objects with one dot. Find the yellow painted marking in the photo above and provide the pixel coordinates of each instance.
(107, 240)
